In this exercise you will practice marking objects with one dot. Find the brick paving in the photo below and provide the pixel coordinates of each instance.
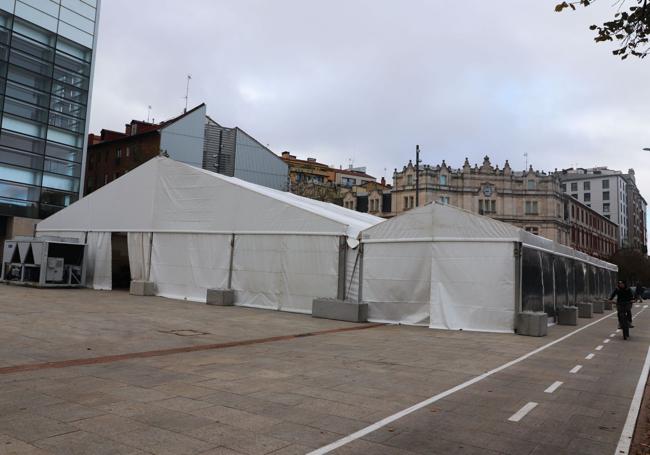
(293, 395)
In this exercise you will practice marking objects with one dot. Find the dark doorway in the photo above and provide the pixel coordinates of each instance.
(120, 261)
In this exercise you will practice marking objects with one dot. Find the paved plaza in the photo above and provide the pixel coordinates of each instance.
(89, 372)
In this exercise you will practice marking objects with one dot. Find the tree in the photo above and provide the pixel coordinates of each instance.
(633, 266)
(631, 27)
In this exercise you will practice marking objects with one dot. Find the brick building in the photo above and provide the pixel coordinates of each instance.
(193, 138)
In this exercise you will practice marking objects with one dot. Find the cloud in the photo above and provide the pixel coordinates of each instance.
(366, 80)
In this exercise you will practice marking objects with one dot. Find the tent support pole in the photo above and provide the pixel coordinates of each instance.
(232, 258)
(343, 255)
(518, 277)
(360, 257)
(150, 254)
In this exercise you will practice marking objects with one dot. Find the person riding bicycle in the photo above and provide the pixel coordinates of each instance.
(624, 298)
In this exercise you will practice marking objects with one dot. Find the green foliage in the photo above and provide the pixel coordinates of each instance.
(631, 27)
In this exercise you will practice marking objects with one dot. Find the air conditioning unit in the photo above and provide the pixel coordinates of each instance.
(43, 262)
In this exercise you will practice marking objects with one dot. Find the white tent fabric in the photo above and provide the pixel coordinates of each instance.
(98, 260)
(285, 250)
(163, 195)
(139, 247)
(445, 267)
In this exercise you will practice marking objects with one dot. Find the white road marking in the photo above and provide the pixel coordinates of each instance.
(618, 330)
(637, 306)
(423, 404)
(623, 447)
(606, 341)
(599, 347)
(612, 335)
(590, 356)
(575, 369)
(553, 387)
(517, 416)
(645, 306)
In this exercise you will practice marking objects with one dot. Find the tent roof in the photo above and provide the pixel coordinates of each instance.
(163, 195)
(436, 221)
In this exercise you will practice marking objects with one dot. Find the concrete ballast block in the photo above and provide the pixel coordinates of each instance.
(598, 306)
(140, 287)
(585, 310)
(567, 315)
(532, 323)
(339, 310)
(220, 297)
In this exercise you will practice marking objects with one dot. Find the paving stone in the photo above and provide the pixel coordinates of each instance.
(67, 412)
(11, 446)
(235, 417)
(247, 442)
(31, 427)
(182, 404)
(109, 425)
(163, 442)
(82, 443)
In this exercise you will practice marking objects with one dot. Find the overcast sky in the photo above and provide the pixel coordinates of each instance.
(366, 80)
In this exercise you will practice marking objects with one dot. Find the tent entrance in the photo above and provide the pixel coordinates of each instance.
(121, 272)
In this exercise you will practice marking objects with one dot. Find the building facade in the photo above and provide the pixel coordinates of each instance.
(591, 232)
(372, 197)
(47, 56)
(614, 195)
(192, 138)
(531, 200)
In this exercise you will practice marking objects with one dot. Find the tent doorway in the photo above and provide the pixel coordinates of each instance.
(121, 272)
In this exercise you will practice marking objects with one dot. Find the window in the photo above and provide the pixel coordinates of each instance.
(574, 196)
(487, 206)
(532, 229)
(409, 180)
(347, 181)
(574, 186)
(406, 202)
(586, 186)
(605, 184)
(443, 179)
(444, 200)
(605, 195)
(118, 153)
(531, 184)
(532, 208)
(563, 186)
(127, 152)
(587, 196)
(606, 207)
(412, 201)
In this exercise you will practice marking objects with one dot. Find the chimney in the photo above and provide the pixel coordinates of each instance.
(311, 160)
(286, 155)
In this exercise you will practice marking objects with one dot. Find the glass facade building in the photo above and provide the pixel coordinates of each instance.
(46, 67)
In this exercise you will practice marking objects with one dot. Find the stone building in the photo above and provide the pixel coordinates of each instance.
(532, 200)
(371, 197)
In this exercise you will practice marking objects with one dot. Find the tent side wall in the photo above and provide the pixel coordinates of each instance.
(396, 281)
(473, 286)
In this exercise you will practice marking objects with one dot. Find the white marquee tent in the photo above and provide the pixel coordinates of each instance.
(448, 268)
(190, 230)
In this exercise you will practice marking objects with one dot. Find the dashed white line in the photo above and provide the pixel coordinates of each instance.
(645, 306)
(575, 369)
(590, 356)
(599, 347)
(429, 401)
(606, 341)
(612, 335)
(517, 416)
(553, 387)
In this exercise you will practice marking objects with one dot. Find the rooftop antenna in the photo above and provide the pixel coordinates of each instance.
(187, 92)
(148, 113)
